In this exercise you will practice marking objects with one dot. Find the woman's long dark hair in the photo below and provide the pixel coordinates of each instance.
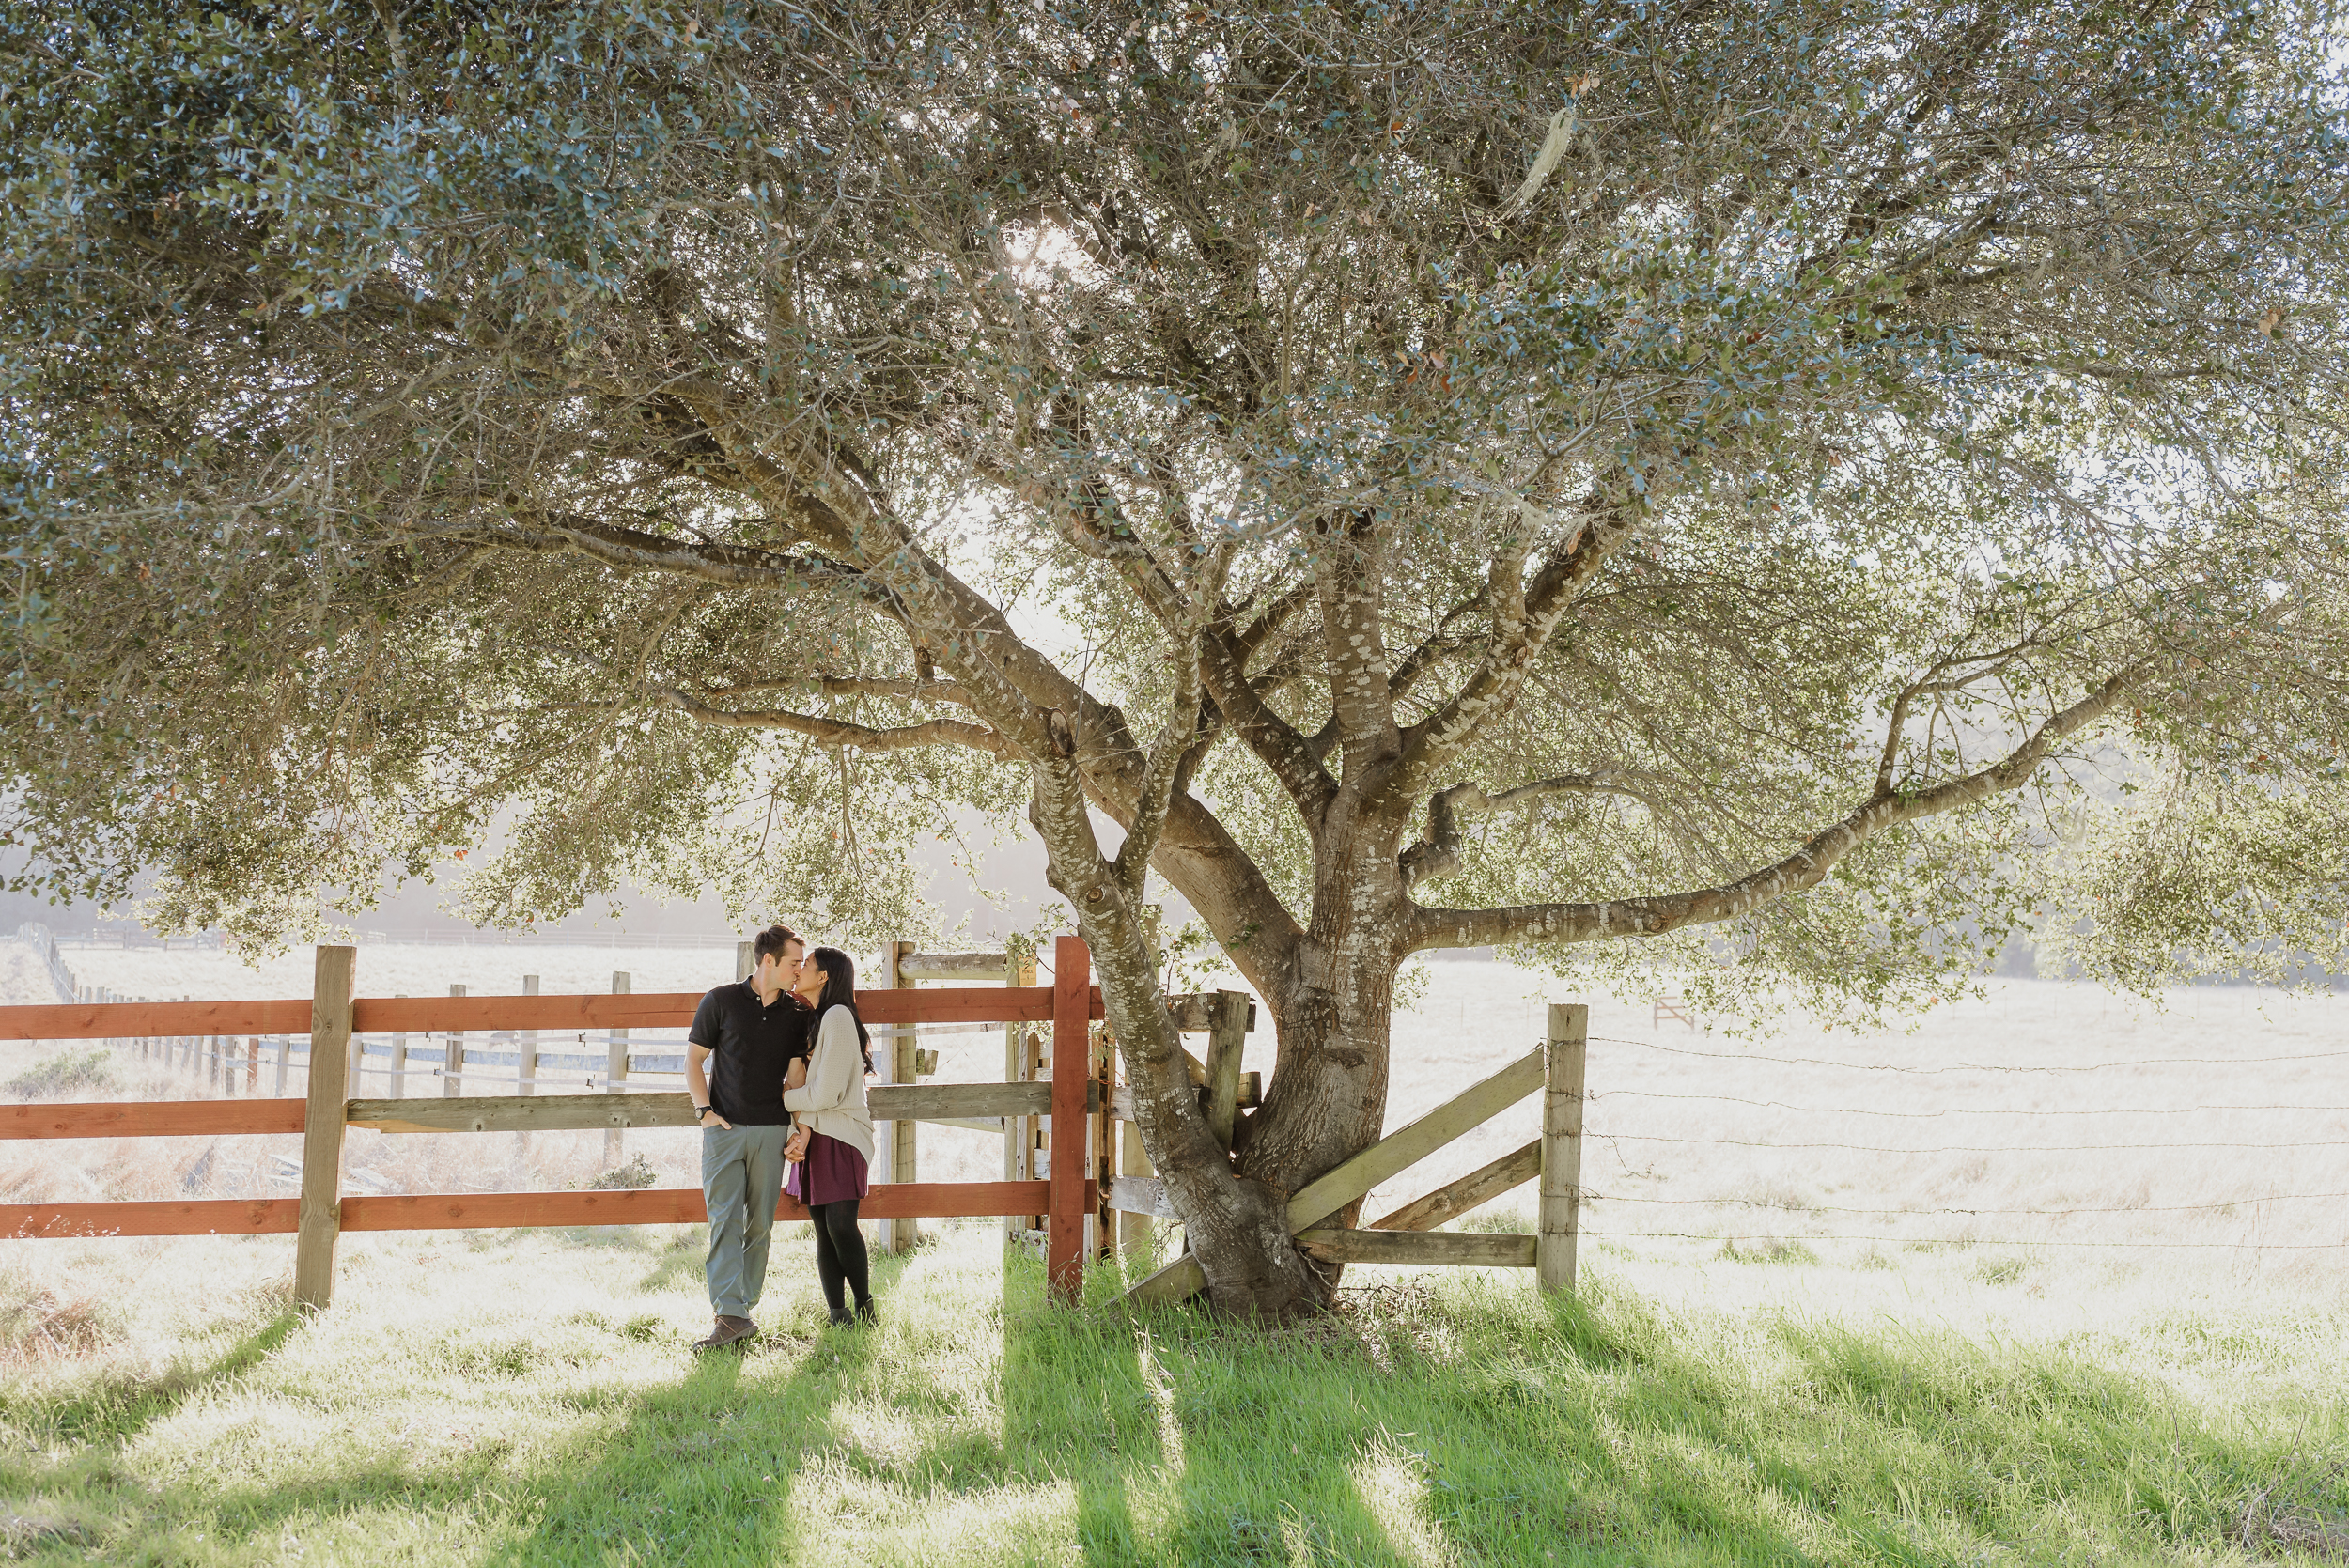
(839, 971)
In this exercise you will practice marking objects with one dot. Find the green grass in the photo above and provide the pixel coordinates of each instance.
(528, 1398)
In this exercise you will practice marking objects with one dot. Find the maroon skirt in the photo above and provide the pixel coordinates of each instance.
(832, 1172)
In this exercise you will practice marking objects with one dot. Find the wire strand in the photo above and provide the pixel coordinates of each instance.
(1960, 1148)
(1992, 1241)
(1969, 1066)
(1834, 1208)
(1955, 1110)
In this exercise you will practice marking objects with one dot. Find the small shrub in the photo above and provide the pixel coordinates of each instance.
(1766, 1250)
(69, 1074)
(2001, 1271)
(630, 1177)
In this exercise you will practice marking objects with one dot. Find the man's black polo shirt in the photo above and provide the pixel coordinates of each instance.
(751, 1048)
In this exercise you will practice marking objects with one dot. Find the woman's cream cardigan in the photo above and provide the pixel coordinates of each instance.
(832, 1101)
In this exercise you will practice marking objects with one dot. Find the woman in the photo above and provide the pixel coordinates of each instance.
(829, 1177)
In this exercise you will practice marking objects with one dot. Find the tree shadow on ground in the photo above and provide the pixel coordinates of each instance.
(1435, 1427)
(681, 1260)
(703, 1470)
(117, 1408)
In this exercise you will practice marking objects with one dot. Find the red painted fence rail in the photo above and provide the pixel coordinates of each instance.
(333, 1014)
(131, 1020)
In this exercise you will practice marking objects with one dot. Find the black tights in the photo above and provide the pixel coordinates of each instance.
(840, 1252)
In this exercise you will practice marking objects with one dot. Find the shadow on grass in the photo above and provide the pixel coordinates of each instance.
(1167, 1436)
(121, 1407)
(1470, 1423)
(1575, 1432)
(680, 1260)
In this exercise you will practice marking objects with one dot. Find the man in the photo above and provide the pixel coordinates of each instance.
(751, 1030)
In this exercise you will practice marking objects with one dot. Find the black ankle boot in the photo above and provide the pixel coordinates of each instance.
(842, 1317)
(866, 1314)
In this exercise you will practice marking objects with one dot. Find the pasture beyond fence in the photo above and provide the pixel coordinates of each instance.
(1064, 1083)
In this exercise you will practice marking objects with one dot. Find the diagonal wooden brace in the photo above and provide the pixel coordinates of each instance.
(1398, 1151)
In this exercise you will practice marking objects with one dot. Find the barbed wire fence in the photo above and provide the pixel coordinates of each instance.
(2295, 1216)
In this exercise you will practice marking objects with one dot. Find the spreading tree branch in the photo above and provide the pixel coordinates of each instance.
(1804, 868)
(1441, 853)
(1492, 689)
(834, 732)
(1160, 772)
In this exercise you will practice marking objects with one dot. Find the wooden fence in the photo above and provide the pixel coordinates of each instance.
(1066, 1194)
(1083, 1205)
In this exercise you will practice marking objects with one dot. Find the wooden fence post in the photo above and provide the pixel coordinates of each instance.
(453, 1057)
(1557, 1229)
(526, 1053)
(745, 959)
(1072, 995)
(399, 1060)
(1100, 1232)
(1133, 1230)
(1227, 1038)
(897, 1165)
(1019, 1067)
(322, 1128)
(616, 1068)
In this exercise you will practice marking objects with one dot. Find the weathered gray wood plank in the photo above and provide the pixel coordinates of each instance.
(319, 1222)
(1559, 1220)
(1194, 1013)
(1140, 1195)
(1477, 1187)
(950, 966)
(1226, 1041)
(1406, 1146)
(911, 1102)
(1447, 1249)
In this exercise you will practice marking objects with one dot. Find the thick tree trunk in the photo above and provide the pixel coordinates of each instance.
(1327, 1099)
(1328, 1096)
(1237, 1228)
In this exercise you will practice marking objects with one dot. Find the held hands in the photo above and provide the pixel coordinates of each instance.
(794, 1149)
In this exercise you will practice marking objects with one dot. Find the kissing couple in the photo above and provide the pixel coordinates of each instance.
(775, 1065)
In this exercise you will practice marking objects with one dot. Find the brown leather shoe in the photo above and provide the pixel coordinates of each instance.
(726, 1331)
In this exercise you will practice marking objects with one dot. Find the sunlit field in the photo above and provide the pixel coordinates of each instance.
(529, 1397)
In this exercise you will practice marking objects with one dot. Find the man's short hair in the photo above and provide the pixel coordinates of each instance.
(772, 942)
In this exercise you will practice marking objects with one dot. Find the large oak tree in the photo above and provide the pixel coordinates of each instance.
(1789, 487)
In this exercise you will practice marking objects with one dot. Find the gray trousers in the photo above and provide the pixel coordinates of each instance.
(742, 1178)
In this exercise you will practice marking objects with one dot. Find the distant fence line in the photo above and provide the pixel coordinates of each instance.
(214, 941)
(44, 943)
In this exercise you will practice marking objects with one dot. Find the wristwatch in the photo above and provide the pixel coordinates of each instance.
(702, 1110)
